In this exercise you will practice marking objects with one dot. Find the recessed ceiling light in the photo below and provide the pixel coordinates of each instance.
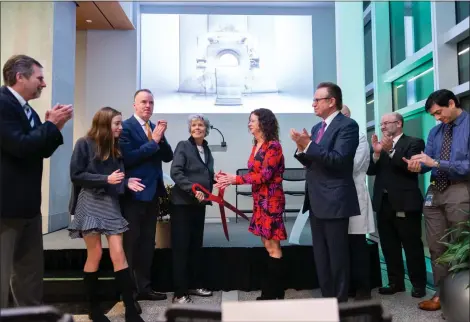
(89, 21)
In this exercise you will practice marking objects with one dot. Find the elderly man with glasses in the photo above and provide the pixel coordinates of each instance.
(398, 202)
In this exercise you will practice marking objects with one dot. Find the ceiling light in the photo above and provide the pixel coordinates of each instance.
(89, 21)
(464, 51)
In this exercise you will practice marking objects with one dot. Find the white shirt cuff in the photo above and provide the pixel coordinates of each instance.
(374, 158)
(303, 151)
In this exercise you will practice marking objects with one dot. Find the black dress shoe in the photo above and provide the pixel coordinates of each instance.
(391, 289)
(418, 292)
(151, 296)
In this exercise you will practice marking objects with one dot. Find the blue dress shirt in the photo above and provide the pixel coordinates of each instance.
(458, 167)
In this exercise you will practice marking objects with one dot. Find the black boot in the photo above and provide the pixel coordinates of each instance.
(126, 286)
(277, 277)
(95, 313)
(266, 286)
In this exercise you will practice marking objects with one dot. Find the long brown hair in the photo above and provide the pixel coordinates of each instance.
(101, 133)
(267, 124)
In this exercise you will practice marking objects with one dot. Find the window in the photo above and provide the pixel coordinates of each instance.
(370, 108)
(410, 28)
(368, 53)
(462, 10)
(464, 58)
(465, 103)
(414, 86)
(418, 125)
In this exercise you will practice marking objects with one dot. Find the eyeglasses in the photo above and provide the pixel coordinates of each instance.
(316, 100)
(387, 123)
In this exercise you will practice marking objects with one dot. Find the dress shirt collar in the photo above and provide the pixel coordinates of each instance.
(141, 122)
(330, 118)
(395, 139)
(20, 98)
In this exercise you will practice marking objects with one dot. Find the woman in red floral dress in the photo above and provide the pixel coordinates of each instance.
(266, 165)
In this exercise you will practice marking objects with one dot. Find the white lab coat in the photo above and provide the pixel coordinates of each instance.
(364, 223)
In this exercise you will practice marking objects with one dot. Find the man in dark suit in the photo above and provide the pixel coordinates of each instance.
(144, 147)
(398, 203)
(24, 143)
(331, 197)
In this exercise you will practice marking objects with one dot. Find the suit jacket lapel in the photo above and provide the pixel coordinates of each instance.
(401, 142)
(139, 129)
(17, 105)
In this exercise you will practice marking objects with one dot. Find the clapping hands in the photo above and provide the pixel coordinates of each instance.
(159, 130)
(301, 139)
(59, 115)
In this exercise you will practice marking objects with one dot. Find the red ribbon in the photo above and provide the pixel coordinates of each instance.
(222, 204)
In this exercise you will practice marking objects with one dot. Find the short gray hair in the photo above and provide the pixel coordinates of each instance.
(399, 118)
(199, 117)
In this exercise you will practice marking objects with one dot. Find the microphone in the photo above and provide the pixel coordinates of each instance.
(223, 143)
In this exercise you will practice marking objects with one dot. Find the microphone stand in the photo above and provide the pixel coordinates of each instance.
(223, 143)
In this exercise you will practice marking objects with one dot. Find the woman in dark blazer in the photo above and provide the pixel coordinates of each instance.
(192, 163)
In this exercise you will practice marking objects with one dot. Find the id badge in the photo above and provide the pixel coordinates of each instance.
(428, 200)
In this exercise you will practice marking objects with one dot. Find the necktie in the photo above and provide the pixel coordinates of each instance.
(29, 114)
(441, 180)
(320, 132)
(148, 130)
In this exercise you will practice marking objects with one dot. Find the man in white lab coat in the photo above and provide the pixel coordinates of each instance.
(360, 225)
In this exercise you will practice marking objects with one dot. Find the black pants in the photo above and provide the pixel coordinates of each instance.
(187, 233)
(331, 253)
(22, 261)
(139, 240)
(394, 232)
(359, 263)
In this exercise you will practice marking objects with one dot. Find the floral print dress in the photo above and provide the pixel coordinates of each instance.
(265, 176)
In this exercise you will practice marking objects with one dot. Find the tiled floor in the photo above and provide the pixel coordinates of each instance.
(401, 306)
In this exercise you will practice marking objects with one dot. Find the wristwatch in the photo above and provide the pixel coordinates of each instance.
(437, 163)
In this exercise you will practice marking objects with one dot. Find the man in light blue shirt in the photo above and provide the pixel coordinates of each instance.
(447, 156)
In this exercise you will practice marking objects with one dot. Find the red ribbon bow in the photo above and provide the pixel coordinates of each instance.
(222, 204)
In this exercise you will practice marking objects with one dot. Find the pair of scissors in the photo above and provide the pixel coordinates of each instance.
(222, 204)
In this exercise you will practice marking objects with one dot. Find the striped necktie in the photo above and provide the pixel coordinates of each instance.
(29, 114)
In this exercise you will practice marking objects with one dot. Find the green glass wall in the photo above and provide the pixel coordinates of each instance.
(414, 86)
(410, 28)
(464, 60)
(370, 108)
(418, 125)
(462, 10)
(368, 53)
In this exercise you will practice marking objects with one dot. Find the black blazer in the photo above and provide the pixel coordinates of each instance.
(22, 151)
(89, 172)
(330, 189)
(392, 174)
(188, 168)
